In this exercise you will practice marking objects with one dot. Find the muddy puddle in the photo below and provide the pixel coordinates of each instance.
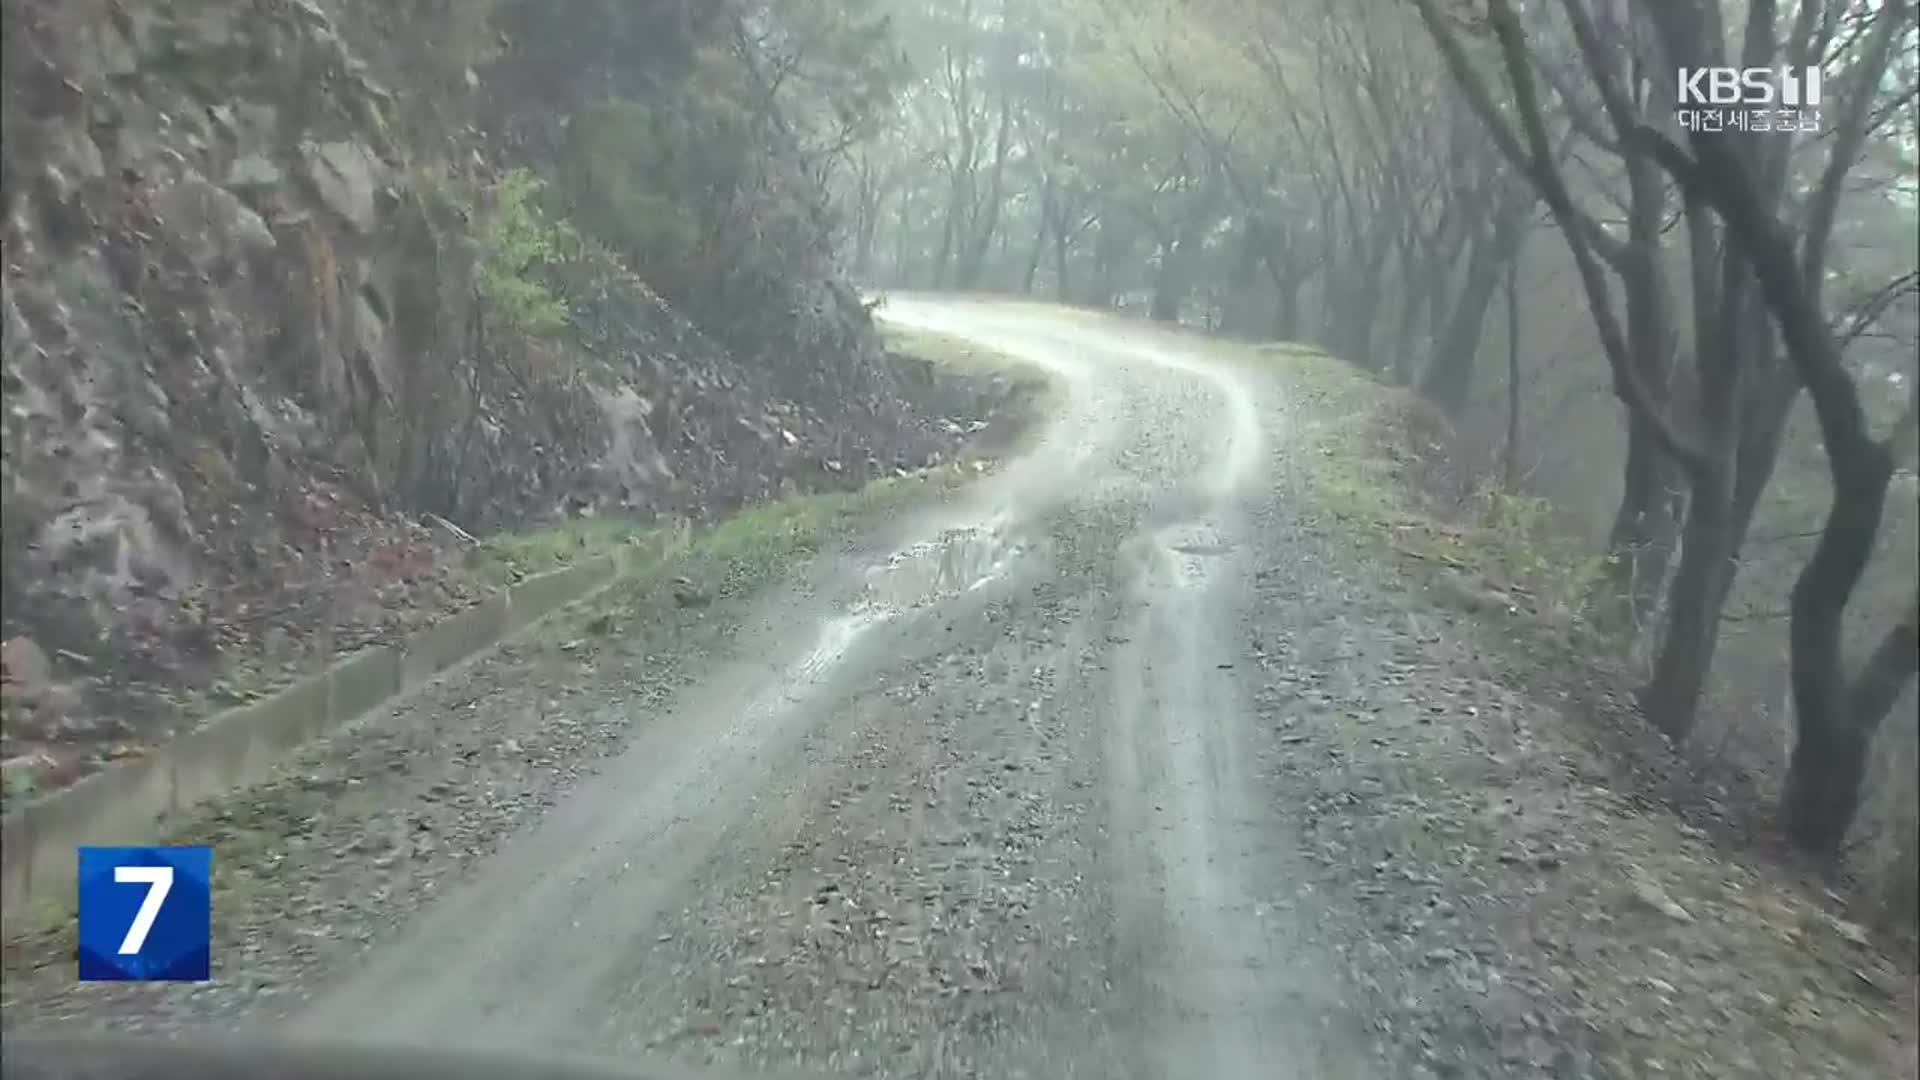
(957, 561)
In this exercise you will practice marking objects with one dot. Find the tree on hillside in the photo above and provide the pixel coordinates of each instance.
(1758, 220)
(702, 142)
(1289, 170)
(1222, 92)
(1786, 248)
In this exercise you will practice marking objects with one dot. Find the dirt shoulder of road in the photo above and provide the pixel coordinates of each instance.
(1540, 883)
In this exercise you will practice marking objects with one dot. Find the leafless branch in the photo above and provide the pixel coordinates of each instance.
(1537, 162)
(1862, 314)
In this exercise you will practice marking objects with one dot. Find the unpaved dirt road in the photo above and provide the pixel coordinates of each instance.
(990, 803)
(1131, 759)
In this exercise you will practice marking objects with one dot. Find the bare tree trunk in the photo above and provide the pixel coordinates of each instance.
(1448, 380)
(1237, 313)
(1109, 246)
(863, 244)
(1835, 721)
(1417, 282)
(1671, 699)
(1039, 238)
(1358, 307)
(1286, 307)
(1284, 267)
(1168, 285)
(1708, 544)
(1063, 288)
(1332, 275)
(1640, 543)
(1763, 396)
(1509, 471)
(903, 232)
(1829, 762)
(1032, 268)
(1175, 280)
(946, 247)
(872, 199)
(973, 249)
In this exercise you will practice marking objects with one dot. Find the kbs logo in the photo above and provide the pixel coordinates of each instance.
(1791, 87)
(146, 914)
(1749, 99)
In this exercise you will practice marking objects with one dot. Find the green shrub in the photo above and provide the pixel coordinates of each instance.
(518, 246)
(1519, 532)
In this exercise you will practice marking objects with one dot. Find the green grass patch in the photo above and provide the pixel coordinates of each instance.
(742, 551)
(785, 526)
(20, 780)
(803, 524)
(1366, 443)
(1513, 534)
(505, 558)
(794, 525)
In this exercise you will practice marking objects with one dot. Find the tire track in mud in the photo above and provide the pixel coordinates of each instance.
(1143, 841)
(932, 879)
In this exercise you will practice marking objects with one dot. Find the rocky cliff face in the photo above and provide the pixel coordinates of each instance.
(246, 365)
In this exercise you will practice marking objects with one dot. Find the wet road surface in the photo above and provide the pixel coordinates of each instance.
(984, 802)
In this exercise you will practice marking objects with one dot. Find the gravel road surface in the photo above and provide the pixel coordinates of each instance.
(989, 802)
(1117, 762)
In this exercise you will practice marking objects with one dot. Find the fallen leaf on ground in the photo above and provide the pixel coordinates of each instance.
(1651, 894)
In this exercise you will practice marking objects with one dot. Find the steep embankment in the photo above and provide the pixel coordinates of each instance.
(261, 375)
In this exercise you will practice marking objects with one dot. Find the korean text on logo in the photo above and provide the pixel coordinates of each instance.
(1749, 99)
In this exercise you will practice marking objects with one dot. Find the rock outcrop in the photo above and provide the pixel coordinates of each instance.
(245, 362)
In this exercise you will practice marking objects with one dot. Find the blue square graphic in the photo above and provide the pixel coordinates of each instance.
(146, 913)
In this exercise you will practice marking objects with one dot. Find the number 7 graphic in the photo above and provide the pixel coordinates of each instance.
(146, 913)
(159, 880)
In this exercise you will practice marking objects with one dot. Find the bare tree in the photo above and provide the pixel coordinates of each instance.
(1835, 714)
(1757, 245)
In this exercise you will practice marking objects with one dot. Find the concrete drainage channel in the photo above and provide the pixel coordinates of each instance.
(126, 803)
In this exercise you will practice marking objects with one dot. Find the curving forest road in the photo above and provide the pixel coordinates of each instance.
(989, 800)
(1116, 762)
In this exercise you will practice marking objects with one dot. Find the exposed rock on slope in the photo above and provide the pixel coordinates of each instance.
(245, 363)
